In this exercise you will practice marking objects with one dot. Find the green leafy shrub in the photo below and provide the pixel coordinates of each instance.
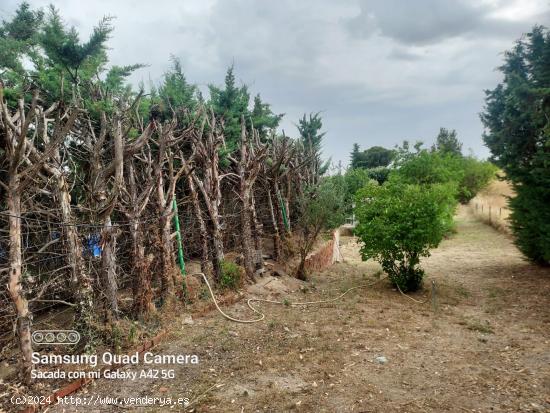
(467, 174)
(476, 176)
(355, 179)
(425, 168)
(231, 275)
(399, 223)
(379, 174)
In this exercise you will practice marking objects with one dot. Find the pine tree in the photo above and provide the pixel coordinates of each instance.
(374, 157)
(263, 118)
(311, 139)
(230, 103)
(175, 91)
(518, 134)
(447, 143)
(18, 37)
(354, 157)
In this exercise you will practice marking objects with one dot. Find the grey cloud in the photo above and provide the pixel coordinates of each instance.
(424, 22)
(401, 53)
(381, 71)
(420, 21)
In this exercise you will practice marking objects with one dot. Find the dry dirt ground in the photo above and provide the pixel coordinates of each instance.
(484, 346)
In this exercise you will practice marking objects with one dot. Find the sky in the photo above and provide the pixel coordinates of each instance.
(379, 71)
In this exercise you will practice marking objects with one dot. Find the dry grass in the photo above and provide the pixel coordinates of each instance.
(491, 205)
(484, 347)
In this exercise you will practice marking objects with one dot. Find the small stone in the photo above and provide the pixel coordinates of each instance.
(188, 320)
(381, 360)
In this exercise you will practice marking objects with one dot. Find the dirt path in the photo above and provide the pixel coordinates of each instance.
(486, 347)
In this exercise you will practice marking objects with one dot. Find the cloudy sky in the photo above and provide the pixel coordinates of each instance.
(380, 71)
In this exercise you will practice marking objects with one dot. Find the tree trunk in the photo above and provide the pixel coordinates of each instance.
(287, 200)
(80, 281)
(276, 234)
(212, 201)
(257, 233)
(279, 213)
(141, 287)
(217, 244)
(166, 257)
(109, 235)
(301, 270)
(246, 236)
(167, 265)
(206, 265)
(108, 263)
(24, 318)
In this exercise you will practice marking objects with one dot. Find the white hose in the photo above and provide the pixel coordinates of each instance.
(262, 315)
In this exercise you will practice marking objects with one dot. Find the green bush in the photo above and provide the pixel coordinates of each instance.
(467, 174)
(425, 168)
(379, 174)
(355, 179)
(231, 275)
(399, 223)
(476, 175)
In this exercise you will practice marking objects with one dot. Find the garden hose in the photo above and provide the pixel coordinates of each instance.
(262, 315)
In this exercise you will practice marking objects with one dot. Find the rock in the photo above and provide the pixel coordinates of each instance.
(188, 320)
(381, 360)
